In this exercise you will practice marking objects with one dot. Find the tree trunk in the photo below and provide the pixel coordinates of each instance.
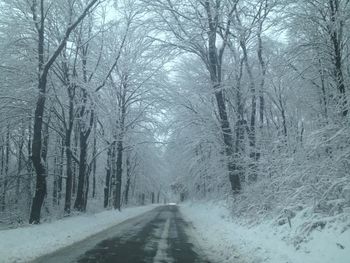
(39, 166)
(61, 173)
(284, 120)
(79, 201)
(336, 29)
(20, 164)
(112, 190)
(214, 65)
(108, 178)
(324, 100)
(56, 175)
(152, 197)
(86, 191)
(75, 168)
(240, 127)
(84, 133)
(128, 180)
(228, 141)
(29, 169)
(94, 162)
(3, 194)
(158, 197)
(262, 75)
(252, 131)
(67, 141)
(119, 172)
(68, 197)
(6, 166)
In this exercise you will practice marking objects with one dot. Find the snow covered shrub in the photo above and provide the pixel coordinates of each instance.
(316, 176)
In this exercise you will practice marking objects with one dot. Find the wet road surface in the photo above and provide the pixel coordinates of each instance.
(158, 236)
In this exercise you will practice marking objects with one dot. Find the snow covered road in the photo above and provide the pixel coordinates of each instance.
(160, 235)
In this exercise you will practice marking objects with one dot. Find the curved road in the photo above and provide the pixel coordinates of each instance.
(158, 236)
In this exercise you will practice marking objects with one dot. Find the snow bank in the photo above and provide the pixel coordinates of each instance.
(228, 240)
(27, 243)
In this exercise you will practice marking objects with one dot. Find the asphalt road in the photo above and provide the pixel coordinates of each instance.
(158, 236)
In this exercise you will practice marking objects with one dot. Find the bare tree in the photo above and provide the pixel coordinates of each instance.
(38, 11)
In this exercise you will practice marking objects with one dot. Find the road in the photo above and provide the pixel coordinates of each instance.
(158, 236)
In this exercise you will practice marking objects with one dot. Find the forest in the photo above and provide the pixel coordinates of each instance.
(106, 104)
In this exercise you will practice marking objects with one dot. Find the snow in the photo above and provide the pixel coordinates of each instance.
(226, 239)
(28, 243)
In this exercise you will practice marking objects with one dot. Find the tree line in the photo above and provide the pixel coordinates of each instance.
(78, 94)
(261, 102)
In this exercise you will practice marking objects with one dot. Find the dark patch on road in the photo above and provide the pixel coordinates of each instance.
(158, 236)
(127, 248)
(181, 249)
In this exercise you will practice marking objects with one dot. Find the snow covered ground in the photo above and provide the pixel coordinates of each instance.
(228, 240)
(27, 243)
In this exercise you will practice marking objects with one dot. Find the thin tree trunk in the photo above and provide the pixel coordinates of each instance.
(112, 190)
(20, 164)
(87, 187)
(262, 76)
(128, 180)
(336, 29)
(68, 196)
(7, 160)
(94, 162)
(29, 169)
(3, 194)
(158, 197)
(324, 102)
(252, 129)
(119, 172)
(6, 165)
(284, 120)
(241, 123)
(61, 173)
(153, 197)
(75, 164)
(108, 178)
(67, 141)
(56, 175)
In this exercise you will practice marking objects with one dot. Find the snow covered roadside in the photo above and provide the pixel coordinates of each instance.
(27, 243)
(228, 240)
